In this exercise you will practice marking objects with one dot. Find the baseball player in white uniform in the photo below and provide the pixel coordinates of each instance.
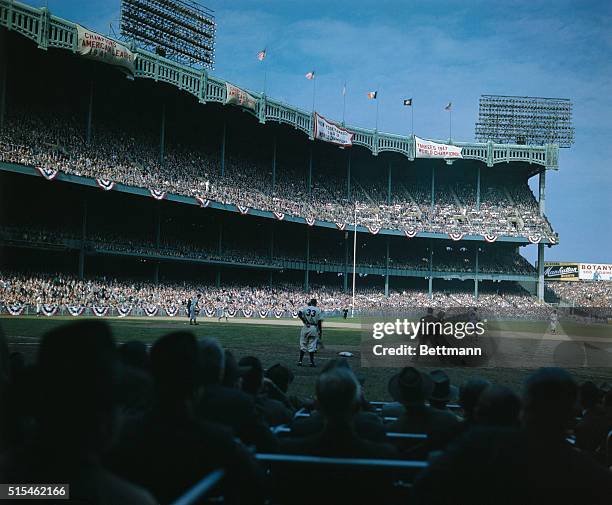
(311, 332)
(194, 309)
(554, 321)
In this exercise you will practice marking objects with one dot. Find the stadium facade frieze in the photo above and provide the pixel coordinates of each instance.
(49, 31)
(211, 204)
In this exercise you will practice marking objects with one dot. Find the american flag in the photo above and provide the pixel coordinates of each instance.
(261, 55)
(449, 106)
(372, 95)
(310, 75)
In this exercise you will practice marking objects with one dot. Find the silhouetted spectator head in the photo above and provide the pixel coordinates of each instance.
(313, 302)
(231, 371)
(77, 375)
(134, 353)
(469, 392)
(176, 366)
(213, 360)
(443, 391)
(590, 395)
(252, 374)
(336, 363)
(549, 402)
(281, 376)
(338, 393)
(498, 406)
(410, 387)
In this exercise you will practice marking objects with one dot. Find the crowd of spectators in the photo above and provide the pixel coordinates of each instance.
(131, 425)
(583, 293)
(55, 142)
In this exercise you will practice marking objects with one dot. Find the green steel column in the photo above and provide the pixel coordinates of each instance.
(274, 164)
(157, 224)
(476, 273)
(223, 139)
(310, 171)
(387, 269)
(220, 249)
(433, 182)
(83, 238)
(478, 189)
(389, 184)
(3, 72)
(156, 273)
(430, 271)
(542, 199)
(89, 112)
(306, 273)
(346, 259)
(348, 176)
(271, 240)
(540, 271)
(270, 279)
(162, 134)
(218, 279)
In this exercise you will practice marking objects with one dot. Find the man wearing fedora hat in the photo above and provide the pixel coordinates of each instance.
(411, 388)
(443, 391)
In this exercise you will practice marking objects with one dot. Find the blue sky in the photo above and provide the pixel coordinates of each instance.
(434, 52)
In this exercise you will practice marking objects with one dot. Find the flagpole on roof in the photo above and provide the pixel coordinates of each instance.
(343, 102)
(314, 89)
(412, 118)
(376, 98)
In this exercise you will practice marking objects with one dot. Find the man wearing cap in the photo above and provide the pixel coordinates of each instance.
(411, 388)
(311, 332)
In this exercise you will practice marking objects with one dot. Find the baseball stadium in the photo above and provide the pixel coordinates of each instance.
(208, 261)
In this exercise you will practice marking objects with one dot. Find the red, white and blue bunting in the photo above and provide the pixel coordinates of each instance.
(341, 226)
(171, 311)
(534, 240)
(124, 311)
(279, 215)
(105, 184)
(47, 173)
(410, 232)
(15, 309)
(247, 312)
(204, 202)
(151, 311)
(263, 313)
(373, 229)
(231, 312)
(209, 311)
(99, 311)
(489, 237)
(158, 195)
(278, 313)
(49, 310)
(456, 236)
(243, 210)
(310, 221)
(552, 239)
(75, 310)
(294, 314)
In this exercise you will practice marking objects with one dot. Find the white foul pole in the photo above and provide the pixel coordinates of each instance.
(354, 260)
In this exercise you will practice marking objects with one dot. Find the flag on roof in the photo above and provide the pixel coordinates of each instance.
(261, 55)
(310, 75)
(408, 102)
(372, 94)
(449, 106)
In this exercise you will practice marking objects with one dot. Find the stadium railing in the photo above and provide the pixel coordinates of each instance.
(339, 480)
(201, 489)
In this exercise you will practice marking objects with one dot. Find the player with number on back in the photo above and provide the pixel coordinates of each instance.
(312, 331)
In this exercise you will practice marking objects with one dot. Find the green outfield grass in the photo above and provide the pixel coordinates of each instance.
(274, 343)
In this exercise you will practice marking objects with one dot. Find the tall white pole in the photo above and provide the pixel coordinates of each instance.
(354, 261)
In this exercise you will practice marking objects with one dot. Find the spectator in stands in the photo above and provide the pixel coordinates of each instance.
(338, 395)
(277, 380)
(273, 411)
(443, 391)
(77, 375)
(509, 466)
(498, 406)
(469, 393)
(410, 388)
(593, 427)
(169, 450)
(228, 405)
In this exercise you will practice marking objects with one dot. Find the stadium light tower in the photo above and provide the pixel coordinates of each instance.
(525, 120)
(182, 30)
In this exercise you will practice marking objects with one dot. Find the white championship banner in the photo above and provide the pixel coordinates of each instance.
(236, 96)
(594, 272)
(329, 132)
(429, 149)
(98, 47)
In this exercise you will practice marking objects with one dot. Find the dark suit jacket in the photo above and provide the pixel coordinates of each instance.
(235, 409)
(368, 426)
